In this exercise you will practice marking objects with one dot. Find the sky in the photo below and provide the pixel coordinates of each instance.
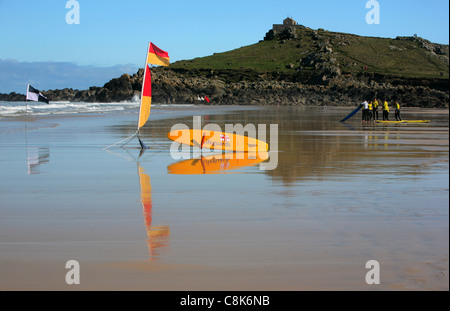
(38, 44)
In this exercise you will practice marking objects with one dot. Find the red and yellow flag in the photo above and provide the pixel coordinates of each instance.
(146, 98)
(156, 56)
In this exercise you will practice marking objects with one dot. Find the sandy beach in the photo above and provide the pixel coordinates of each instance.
(342, 194)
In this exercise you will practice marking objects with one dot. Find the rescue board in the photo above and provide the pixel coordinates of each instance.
(352, 113)
(404, 121)
(216, 164)
(217, 140)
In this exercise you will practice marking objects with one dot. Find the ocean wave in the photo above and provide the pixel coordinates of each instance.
(10, 109)
(13, 109)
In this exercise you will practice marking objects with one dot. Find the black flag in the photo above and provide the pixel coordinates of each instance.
(35, 95)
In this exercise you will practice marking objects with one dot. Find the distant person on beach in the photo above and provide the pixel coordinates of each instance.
(365, 107)
(375, 109)
(369, 113)
(397, 112)
(385, 111)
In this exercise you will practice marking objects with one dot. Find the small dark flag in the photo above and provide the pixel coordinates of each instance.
(35, 95)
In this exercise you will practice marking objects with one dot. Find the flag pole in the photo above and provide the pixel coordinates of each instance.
(128, 139)
(141, 143)
(143, 81)
(26, 100)
(26, 121)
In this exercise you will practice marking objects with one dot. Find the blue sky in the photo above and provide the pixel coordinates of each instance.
(112, 35)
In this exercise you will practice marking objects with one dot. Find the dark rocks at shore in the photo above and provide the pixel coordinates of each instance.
(12, 97)
(326, 87)
(250, 88)
(116, 90)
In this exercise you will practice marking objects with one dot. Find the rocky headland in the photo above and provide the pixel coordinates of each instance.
(322, 71)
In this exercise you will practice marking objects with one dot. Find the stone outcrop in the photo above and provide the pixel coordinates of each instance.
(328, 87)
(12, 97)
(316, 78)
(433, 48)
(170, 86)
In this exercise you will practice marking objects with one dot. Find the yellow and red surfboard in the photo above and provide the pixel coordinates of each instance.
(217, 140)
(404, 121)
(216, 164)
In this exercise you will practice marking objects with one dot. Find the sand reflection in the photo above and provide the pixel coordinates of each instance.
(157, 236)
(36, 156)
(217, 163)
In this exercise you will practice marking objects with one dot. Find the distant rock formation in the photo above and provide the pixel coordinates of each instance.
(247, 88)
(12, 97)
(318, 75)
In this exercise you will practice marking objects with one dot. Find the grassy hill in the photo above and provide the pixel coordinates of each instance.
(304, 50)
(298, 67)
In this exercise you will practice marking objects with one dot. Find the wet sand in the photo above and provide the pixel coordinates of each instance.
(341, 195)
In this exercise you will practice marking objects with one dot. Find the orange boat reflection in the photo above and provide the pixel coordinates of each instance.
(217, 163)
(157, 236)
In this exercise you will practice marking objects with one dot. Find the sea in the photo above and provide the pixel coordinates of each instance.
(17, 109)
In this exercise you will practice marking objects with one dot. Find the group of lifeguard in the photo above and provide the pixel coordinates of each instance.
(370, 111)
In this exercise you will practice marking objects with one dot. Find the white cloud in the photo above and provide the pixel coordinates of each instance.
(15, 75)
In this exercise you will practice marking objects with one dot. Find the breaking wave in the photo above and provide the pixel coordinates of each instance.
(10, 109)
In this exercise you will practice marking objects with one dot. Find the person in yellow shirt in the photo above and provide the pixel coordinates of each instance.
(375, 109)
(397, 112)
(370, 112)
(385, 111)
